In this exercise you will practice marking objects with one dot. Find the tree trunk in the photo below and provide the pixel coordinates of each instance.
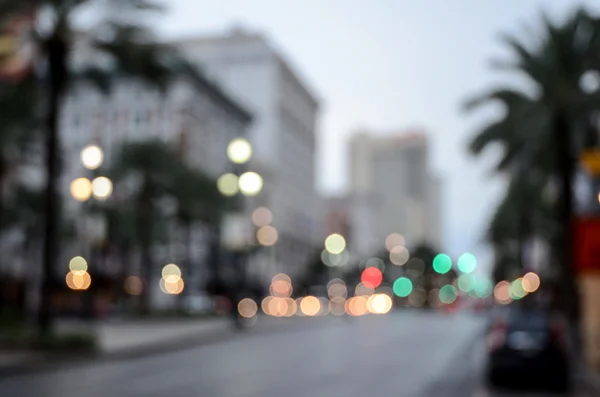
(56, 49)
(145, 233)
(568, 294)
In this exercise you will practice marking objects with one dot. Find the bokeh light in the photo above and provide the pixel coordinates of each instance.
(247, 308)
(239, 151)
(402, 287)
(394, 240)
(467, 263)
(262, 216)
(357, 306)
(466, 283)
(171, 273)
(281, 288)
(78, 265)
(418, 297)
(448, 294)
(310, 306)
(102, 188)
(442, 263)
(81, 189)
(337, 306)
(282, 277)
(502, 292)
(415, 267)
(250, 183)
(335, 260)
(371, 277)
(133, 285)
(79, 281)
(228, 185)
(267, 236)
(399, 255)
(171, 285)
(375, 262)
(379, 304)
(531, 282)
(516, 289)
(336, 288)
(362, 289)
(335, 244)
(434, 298)
(92, 157)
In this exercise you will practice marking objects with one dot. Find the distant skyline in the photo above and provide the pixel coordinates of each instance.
(391, 65)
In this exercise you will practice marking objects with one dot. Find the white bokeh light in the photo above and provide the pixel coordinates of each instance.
(92, 157)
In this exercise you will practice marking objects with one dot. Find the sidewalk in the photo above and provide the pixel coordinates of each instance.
(121, 339)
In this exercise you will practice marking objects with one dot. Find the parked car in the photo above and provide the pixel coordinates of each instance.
(529, 348)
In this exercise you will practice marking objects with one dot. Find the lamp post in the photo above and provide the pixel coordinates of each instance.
(234, 185)
(82, 190)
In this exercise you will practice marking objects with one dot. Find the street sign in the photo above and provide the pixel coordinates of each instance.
(587, 245)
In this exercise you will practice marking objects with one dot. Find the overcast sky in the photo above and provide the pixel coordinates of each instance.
(390, 65)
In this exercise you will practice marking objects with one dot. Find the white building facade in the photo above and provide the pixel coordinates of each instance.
(394, 191)
(283, 137)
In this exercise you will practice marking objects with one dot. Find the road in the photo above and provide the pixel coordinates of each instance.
(401, 354)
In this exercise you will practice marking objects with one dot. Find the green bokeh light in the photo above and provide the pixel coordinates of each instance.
(448, 294)
(467, 263)
(516, 290)
(402, 287)
(442, 263)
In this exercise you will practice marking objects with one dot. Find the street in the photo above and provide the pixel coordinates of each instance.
(406, 353)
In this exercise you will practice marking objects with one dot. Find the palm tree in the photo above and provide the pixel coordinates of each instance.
(198, 200)
(149, 168)
(543, 126)
(133, 52)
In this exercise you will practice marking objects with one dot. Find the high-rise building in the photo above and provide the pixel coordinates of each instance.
(283, 136)
(393, 190)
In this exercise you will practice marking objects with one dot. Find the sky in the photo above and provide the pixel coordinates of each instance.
(392, 65)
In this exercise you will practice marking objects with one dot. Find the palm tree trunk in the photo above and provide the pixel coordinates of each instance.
(567, 286)
(145, 233)
(56, 49)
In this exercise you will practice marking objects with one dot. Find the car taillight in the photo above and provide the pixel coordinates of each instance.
(497, 336)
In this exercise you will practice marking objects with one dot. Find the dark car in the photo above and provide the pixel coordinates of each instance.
(529, 349)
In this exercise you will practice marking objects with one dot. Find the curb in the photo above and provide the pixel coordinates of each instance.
(54, 361)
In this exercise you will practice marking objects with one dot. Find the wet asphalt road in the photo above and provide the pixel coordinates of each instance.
(402, 354)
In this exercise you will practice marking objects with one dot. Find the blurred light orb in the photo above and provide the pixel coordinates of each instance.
(442, 263)
(134, 285)
(467, 263)
(281, 289)
(361, 289)
(337, 289)
(250, 183)
(466, 283)
(310, 306)
(81, 189)
(415, 267)
(434, 298)
(92, 157)
(281, 276)
(78, 282)
(531, 282)
(262, 217)
(337, 306)
(264, 305)
(516, 289)
(418, 297)
(502, 292)
(357, 306)
(172, 286)
(448, 294)
(371, 277)
(239, 151)
(375, 262)
(78, 265)
(379, 304)
(399, 255)
(590, 81)
(290, 306)
(171, 273)
(335, 244)
(267, 236)
(227, 184)
(403, 287)
(102, 188)
(394, 240)
(247, 308)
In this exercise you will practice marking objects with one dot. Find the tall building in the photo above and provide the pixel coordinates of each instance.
(393, 190)
(283, 136)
